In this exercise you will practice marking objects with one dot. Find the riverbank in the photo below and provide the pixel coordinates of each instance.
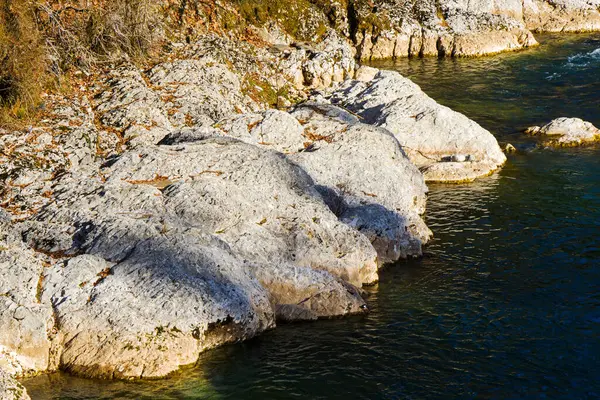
(504, 302)
(155, 213)
(177, 183)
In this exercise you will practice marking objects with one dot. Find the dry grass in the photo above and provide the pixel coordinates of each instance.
(41, 40)
(22, 60)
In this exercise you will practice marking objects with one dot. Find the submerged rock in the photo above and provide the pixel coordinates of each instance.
(566, 132)
(446, 145)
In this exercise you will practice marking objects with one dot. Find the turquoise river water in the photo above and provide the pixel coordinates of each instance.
(506, 301)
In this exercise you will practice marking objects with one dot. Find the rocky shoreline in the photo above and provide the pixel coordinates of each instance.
(155, 213)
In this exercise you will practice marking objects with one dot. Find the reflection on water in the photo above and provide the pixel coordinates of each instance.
(506, 303)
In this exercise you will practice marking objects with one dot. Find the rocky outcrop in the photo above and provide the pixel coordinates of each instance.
(431, 29)
(360, 170)
(154, 289)
(243, 193)
(214, 79)
(444, 144)
(159, 213)
(198, 92)
(171, 222)
(562, 15)
(141, 304)
(566, 132)
(284, 65)
(397, 28)
(10, 389)
(384, 29)
(27, 324)
(154, 309)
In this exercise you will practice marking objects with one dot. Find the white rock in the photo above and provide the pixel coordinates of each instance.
(360, 170)
(266, 208)
(566, 132)
(426, 130)
(155, 310)
(131, 107)
(26, 324)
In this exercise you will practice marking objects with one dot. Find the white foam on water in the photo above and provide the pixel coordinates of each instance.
(583, 60)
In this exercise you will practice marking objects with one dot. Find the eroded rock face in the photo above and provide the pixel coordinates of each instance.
(155, 310)
(562, 15)
(360, 170)
(566, 132)
(10, 389)
(385, 29)
(445, 145)
(27, 324)
(446, 28)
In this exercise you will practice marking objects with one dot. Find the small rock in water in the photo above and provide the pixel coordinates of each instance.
(532, 130)
(566, 132)
(509, 148)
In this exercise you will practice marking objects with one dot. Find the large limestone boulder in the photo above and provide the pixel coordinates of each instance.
(157, 285)
(150, 296)
(265, 207)
(360, 170)
(10, 389)
(366, 178)
(445, 145)
(566, 132)
(156, 309)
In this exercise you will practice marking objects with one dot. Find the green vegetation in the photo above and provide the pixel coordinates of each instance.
(302, 19)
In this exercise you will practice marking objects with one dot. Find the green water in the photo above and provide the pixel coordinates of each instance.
(506, 302)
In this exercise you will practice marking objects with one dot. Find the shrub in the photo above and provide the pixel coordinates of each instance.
(130, 26)
(22, 58)
(42, 39)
